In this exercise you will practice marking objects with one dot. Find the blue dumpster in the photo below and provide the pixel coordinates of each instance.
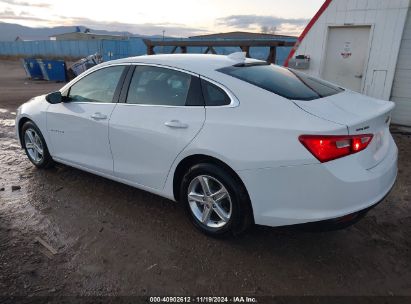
(32, 68)
(53, 70)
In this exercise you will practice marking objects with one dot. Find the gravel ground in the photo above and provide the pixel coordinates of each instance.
(112, 239)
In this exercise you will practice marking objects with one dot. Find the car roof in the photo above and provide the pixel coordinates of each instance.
(202, 64)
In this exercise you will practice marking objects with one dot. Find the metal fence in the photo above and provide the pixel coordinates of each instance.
(109, 49)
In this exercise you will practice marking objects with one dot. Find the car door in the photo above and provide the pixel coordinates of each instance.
(78, 127)
(160, 114)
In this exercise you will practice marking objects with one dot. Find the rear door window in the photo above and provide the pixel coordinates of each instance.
(285, 82)
(161, 86)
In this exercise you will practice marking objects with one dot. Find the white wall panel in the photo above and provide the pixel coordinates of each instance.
(401, 89)
(387, 19)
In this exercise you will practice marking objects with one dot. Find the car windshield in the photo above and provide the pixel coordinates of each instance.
(285, 82)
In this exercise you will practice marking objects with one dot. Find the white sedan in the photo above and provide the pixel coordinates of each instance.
(237, 141)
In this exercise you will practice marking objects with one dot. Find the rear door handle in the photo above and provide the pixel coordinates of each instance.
(98, 116)
(176, 124)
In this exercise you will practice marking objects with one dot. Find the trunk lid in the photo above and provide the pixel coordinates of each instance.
(362, 115)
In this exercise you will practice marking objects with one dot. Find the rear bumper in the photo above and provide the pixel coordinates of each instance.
(343, 221)
(318, 192)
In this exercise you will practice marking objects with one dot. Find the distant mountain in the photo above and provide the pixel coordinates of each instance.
(10, 31)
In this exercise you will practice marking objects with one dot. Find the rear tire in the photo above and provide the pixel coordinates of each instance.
(35, 146)
(216, 202)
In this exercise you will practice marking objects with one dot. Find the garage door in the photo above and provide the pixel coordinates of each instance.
(401, 90)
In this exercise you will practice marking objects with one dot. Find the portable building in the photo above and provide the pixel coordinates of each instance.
(363, 45)
(87, 36)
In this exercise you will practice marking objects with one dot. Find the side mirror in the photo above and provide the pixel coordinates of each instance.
(54, 97)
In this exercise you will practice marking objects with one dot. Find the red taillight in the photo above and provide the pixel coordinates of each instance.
(329, 147)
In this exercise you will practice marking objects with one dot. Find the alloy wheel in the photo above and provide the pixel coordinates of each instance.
(33, 145)
(209, 201)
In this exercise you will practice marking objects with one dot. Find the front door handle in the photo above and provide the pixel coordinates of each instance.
(98, 116)
(176, 124)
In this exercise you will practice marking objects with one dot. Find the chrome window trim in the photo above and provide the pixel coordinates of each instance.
(86, 102)
(158, 106)
(234, 101)
(165, 67)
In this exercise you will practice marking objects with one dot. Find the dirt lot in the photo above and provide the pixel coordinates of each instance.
(116, 240)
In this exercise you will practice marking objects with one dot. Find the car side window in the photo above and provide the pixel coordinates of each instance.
(99, 86)
(213, 95)
(159, 86)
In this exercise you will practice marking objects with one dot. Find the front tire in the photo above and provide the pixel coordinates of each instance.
(35, 146)
(216, 201)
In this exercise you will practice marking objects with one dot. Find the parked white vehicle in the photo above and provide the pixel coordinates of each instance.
(236, 140)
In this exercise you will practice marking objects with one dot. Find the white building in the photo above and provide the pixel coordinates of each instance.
(363, 45)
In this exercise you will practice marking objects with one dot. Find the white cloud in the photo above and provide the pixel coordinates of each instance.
(257, 23)
(24, 3)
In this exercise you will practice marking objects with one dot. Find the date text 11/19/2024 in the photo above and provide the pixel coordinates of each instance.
(210, 299)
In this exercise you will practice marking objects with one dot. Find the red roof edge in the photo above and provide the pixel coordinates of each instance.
(306, 30)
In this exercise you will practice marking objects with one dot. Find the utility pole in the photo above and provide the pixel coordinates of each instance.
(164, 31)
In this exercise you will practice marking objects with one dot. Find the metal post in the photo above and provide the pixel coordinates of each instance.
(246, 49)
(150, 50)
(272, 56)
(164, 31)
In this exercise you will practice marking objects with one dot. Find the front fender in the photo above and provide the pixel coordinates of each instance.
(35, 110)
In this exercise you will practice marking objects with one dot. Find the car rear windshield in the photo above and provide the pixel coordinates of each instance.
(285, 82)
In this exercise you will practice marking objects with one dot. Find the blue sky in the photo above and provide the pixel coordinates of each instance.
(176, 17)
